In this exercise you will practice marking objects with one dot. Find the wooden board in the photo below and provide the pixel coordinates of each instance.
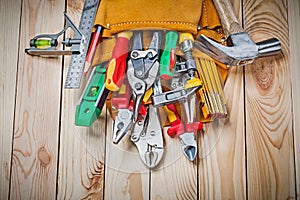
(126, 177)
(10, 12)
(254, 154)
(269, 134)
(294, 38)
(221, 167)
(222, 151)
(176, 176)
(81, 152)
(36, 123)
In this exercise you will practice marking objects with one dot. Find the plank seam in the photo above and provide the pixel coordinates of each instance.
(292, 105)
(60, 109)
(245, 112)
(150, 180)
(104, 159)
(15, 103)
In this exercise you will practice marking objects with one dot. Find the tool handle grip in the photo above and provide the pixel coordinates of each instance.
(168, 57)
(116, 67)
(268, 47)
(228, 18)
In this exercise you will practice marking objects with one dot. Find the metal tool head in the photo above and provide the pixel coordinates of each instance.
(154, 139)
(122, 124)
(142, 68)
(147, 136)
(143, 60)
(189, 145)
(140, 86)
(241, 49)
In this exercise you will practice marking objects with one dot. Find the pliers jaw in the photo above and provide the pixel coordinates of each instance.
(189, 145)
(147, 136)
(142, 68)
(121, 124)
(138, 87)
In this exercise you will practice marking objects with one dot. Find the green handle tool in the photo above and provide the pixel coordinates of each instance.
(168, 57)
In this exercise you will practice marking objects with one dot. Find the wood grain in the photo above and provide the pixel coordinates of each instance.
(10, 12)
(257, 157)
(221, 166)
(126, 177)
(176, 176)
(222, 151)
(81, 154)
(294, 38)
(36, 122)
(270, 160)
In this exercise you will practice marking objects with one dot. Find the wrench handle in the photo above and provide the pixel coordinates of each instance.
(227, 16)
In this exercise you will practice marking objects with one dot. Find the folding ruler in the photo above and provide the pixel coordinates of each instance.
(86, 24)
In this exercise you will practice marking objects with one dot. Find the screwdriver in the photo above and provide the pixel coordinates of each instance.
(168, 57)
(116, 67)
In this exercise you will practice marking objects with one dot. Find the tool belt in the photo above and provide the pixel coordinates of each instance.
(184, 16)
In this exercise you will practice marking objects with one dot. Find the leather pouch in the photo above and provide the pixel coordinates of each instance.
(187, 16)
(120, 15)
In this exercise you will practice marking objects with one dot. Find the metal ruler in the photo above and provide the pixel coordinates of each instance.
(86, 24)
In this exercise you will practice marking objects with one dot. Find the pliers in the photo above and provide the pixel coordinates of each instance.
(123, 120)
(142, 68)
(147, 136)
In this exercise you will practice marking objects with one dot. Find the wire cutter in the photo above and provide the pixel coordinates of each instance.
(142, 68)
(147, 136)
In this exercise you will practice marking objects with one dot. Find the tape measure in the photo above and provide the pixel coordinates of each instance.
(86, 24)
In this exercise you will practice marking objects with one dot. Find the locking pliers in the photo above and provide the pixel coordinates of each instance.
(148, 138)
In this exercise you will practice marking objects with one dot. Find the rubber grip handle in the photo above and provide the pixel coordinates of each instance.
(116, 67)
(168, 57)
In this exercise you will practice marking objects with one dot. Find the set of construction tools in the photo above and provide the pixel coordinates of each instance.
(143, 80)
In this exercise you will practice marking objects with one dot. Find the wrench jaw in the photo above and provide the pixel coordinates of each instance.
(121, 124)
(147, 136)
(189, 145)
(154, 139)
(153, 156)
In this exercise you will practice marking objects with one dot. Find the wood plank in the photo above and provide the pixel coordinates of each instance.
(294, 37)
(126, 177)
(222, 154)
(10, 12)
(81, 155)
(222, 151)
(36, 122)
(270, 161)
(176, 176)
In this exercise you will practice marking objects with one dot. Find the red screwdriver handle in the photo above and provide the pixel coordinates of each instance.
(116, 67)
